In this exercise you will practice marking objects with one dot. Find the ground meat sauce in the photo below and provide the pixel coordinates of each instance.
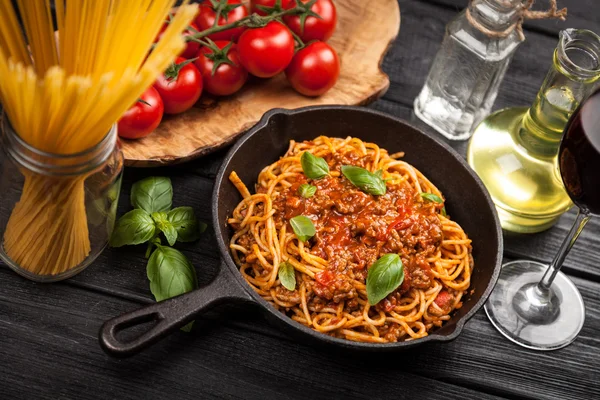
(354, 229)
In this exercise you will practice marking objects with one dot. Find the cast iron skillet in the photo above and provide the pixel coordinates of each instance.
(467, 201)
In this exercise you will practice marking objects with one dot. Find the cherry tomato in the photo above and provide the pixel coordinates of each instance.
(207, 15)
(180, 86)
(143, 117)
(227, 78)
(266, 51)
(284, 4)
(314, 28)
(314, 69)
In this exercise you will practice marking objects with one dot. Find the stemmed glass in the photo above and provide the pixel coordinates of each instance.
(536, 305)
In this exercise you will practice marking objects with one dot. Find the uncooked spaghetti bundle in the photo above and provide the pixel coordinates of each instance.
(62, 90)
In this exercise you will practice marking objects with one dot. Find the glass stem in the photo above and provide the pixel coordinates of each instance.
(580, 221)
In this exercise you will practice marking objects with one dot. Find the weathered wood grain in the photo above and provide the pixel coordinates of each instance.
(362, 36)
(49, 350)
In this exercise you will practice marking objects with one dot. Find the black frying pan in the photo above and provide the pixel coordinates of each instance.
(468, 202)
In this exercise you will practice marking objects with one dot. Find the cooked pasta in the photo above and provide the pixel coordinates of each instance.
(352, 229)
(62, 92)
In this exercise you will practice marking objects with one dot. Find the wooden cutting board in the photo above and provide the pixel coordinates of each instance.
(364, 31)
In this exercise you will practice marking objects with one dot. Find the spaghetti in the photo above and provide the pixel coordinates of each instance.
(353, 229)
(62, 93)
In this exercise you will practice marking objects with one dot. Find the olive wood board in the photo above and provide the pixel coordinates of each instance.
(365, 29)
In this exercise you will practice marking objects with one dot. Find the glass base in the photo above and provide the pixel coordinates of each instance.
(440, 124)
(530, 318)
(49, 278)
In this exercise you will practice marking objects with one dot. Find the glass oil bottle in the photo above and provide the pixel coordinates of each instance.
(514, 150)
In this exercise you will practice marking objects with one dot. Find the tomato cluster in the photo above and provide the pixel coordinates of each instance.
(222, 63)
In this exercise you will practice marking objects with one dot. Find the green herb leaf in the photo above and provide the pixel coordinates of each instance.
(286, 275)
(165, 226)
(435, 199)
(170, 273)
(303, 227)
(152, 194)
(135, 227)
(307, 190)
(314, 167)
(185, 222)
(364, 180)
(384, 276)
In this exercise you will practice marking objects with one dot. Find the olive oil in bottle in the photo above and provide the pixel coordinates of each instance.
(514, 151)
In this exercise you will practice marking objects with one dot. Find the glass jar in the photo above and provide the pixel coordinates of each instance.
(57, 211)
(463, 81)
(514, 150)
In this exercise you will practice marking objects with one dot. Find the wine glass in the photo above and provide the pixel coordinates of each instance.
(536, 305)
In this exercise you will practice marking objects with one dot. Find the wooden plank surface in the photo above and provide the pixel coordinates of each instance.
(48, 333)
(53, 338)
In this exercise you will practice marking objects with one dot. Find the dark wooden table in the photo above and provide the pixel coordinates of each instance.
(48, 332)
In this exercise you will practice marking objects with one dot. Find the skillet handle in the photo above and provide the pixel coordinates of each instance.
(170, 314)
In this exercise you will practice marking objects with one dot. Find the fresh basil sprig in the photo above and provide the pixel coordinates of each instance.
(307, 190)
(303, 227)
(435, 199)
(314, 167)
(366, 181)
(169, 271)
(287, 276)
(135, 227)
(152, 194)
(384, 276)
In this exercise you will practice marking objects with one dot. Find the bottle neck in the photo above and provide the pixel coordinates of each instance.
(573, 75)
(495, 15)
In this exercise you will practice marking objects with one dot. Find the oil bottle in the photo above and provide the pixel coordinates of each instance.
(514, 150)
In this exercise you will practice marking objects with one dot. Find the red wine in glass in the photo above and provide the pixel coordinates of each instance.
(579, 156)
(535, 305)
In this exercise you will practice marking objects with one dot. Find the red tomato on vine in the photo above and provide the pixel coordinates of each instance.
(308, 26)
(266, 51)
(231, 11)
(180, 86)
(222, 72)
(314, 69)
(143, 117)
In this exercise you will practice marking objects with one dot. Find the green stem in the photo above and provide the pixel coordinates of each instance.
(301, 44)
(253, 19)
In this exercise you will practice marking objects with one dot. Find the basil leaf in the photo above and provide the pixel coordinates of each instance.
(384, 276)
(166, 227)
(364, 180)
(185, 222)
(135, 227)
(170, 273)
(307, 190)
(152, 194)
(287, 276)
(434, 198)
(314, 167)
(303, 227)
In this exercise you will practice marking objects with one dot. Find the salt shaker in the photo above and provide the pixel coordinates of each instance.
(463, 81)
